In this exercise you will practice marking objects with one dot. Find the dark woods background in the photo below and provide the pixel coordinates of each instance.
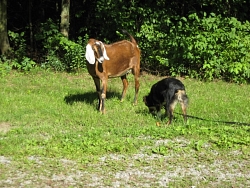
(204, 39)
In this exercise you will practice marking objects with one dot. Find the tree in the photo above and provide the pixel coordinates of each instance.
(4, 41)
(65, 18)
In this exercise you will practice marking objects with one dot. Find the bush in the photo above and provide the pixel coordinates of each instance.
(16, 57)
(208, 48)
(60, 52)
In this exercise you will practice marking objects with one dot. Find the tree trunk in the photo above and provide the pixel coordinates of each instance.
(31, 26)
(4, 41)
(65, 18)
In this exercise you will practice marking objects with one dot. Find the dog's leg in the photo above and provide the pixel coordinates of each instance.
(184, 111)
(170, 111)
(183, 100)
(158, 112)
(184, 103)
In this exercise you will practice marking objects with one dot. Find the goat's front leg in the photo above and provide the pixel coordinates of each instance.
(125, 86)
(103, 95)
(98, 90)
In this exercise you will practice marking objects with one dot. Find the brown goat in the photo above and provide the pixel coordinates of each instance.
(113, 60)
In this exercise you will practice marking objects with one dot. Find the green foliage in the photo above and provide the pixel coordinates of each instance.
(118, 15)
(61, 53)
(26, 64)
(18, 44)
(5, 66)
(17, 55)
(177, 39)
(206, 48)
(199, 39)
(74, 53)
(220, 46)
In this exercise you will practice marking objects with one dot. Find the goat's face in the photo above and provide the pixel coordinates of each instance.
(95, 50)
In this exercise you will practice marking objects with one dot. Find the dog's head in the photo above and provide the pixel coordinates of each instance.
(149, 104)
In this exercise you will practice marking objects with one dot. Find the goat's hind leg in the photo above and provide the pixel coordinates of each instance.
(125, 86)
(136, 73)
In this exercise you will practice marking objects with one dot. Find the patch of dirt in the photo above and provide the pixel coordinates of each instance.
(178, 168)
(5, 127)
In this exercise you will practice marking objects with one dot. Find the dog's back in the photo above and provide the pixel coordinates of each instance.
(167, 93)
(174, 89)
(165, 88)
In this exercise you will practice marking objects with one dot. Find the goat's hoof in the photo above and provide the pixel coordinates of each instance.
(158, 124)
(102, 111)
(168, 123)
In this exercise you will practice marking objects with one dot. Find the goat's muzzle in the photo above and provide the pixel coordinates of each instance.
(100, 59)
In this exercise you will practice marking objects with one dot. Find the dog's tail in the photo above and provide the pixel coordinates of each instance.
(182, 96)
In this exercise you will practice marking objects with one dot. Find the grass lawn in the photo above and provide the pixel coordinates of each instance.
(51, 135)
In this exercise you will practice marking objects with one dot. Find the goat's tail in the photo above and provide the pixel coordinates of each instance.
(131, 37)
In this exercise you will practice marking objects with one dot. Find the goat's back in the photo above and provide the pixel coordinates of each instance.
(123, 56)
(122, 50)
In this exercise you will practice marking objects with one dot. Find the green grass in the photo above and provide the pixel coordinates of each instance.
(53, 116)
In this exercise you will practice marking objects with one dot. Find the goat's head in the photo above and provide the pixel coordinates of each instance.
(95, 50)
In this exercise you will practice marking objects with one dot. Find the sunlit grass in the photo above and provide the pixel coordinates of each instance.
(50, 129)
(54, 114)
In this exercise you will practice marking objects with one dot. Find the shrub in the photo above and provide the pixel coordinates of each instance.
(17, 56)
(60, 52)
(207, 48)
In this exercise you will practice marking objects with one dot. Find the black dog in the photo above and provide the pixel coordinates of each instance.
(167, 93)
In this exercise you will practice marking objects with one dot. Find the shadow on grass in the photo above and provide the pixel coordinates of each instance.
(144, 112)
(218, 121)
(88, 97)
(163, 116)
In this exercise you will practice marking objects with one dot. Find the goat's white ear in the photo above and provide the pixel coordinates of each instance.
(90, 56)
(105, 53)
